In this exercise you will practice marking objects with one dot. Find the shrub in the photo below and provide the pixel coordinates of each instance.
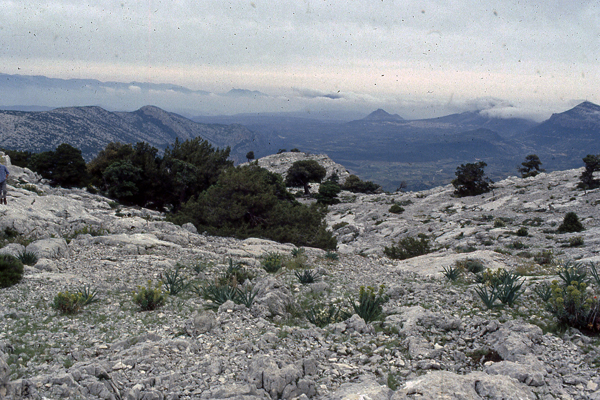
(498, 223)
(396, 209)
(500, 284)
(149, 297)
(250, 201)
(572, 272)
(298, 251)
(370, 303)
(272, 262)
(570, 224)
(354, 184)
(11, 270)
(328, 192)
(544, 257)
(409, 247)
(235, 274)
(471, 180)
(576, 241)
(471, 265)
(67, 303)
(27, 257)
(322, 315)
(522, 231)
(333, 256)
(573, 306)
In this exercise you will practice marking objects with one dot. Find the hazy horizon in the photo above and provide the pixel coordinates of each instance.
(417, 59)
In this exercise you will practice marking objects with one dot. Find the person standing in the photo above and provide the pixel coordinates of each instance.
(3, 178)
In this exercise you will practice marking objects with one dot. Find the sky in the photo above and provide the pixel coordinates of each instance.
(415, 58)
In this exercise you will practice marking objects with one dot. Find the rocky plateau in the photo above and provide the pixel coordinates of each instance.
(436, 340)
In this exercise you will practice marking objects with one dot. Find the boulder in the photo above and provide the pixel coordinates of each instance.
(49, 248)
(514, 339)
(474, 386)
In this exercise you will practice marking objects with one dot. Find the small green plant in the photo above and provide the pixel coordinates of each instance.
(543, 291)
(370, 303)
(67, 303)
(570, 272)
(149, 297)
(246, 296)
(509, 289)
(113, 204)
(173, 282)
(322, 315)
(570, 224)
(299, 251)
(522, 231)
(218, 294)
(573, 306)
(272, 262)
(576, 241)
(452, 273)
(332, 256)
(498, 223)
(544, 257)
(595, 275)
(307, 276)
(396, 209)
(487, 295)
(409, 247)
(11, 270)
(27, 257)
(87, 295)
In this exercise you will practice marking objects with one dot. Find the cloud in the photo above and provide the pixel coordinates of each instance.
(312, 94)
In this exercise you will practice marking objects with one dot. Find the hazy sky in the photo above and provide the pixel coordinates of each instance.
(417, 58)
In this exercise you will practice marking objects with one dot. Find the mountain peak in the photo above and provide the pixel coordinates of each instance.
(382, 115)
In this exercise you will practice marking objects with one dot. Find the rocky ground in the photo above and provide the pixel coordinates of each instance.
(436, 339)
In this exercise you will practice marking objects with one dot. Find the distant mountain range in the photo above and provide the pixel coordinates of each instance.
(90, 129)
(389, 149)
(382, 147)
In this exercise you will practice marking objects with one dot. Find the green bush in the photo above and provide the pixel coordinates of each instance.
(370, 303)
(332, 256)
(354, 184)
(522, 231)
(576, 241)
(471, 180)
(471, 265)
(11, 270)
(328, 192)
(498, 223)
(272, 262)
(570, 224)
(150, 297)
(396, 209)
(67, 303)
(409, 247)
(250, 201)
(217, 294)
(572, 305)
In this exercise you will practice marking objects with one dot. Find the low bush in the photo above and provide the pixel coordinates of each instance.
(11, 270)
(570, 224)
(67, 303)
(354, 184)
(409, 247)
(470, 264)
(573, 306)
(272, 262)
(370, 303)
(522, 231)
(498, 223)
(149, 297)
(396, 209)
(576, 241)
(322, 315)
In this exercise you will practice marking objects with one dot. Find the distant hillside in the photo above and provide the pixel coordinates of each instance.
(92, 128)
